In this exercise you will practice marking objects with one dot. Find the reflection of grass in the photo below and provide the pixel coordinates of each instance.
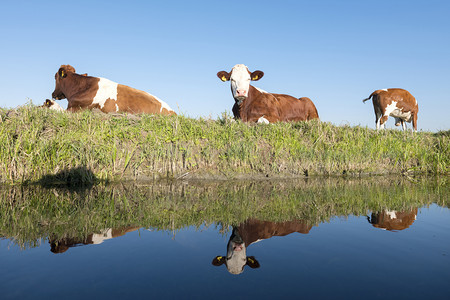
(30, 214)
(39, 143)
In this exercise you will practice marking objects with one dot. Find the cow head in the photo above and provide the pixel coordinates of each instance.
(62, 73)
(236, 258)
(52, 105)
(240, 78)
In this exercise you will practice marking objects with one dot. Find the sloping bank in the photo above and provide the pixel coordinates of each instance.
(40, 145)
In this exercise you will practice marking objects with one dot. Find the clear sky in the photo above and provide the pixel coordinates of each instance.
(335, 52)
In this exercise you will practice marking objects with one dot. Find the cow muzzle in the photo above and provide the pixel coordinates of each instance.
(58, 96)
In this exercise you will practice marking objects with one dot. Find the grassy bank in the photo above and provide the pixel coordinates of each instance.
(29, 215)
(40, 145)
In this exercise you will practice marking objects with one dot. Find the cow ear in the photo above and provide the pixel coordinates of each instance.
(62, 73)
(218, 261)
(256, 75)
(224, 76)
(252, 262)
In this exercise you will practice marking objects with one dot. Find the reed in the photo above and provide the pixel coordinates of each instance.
(40, 145)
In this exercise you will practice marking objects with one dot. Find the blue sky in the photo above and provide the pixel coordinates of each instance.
(334, 52)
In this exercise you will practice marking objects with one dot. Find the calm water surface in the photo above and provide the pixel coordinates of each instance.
(341, 239)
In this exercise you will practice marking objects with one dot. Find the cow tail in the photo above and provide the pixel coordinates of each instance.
(371, 95)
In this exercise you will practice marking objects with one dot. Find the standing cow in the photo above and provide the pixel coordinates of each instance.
(87, 92)
(393, 220)
(255, 105)
(397, 103)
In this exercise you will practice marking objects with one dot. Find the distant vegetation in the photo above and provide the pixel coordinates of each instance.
(43, 146)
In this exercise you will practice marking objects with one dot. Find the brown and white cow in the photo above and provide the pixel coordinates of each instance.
(393, 220)
(53, 105)
(398, 103)
(87, 92)
(249, 232)
(255, 105)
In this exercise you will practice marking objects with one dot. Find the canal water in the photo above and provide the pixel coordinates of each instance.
(319, 238)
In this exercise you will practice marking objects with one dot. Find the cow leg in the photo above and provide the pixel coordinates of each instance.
(378, 114)
(263, 120)
(414, 121)
(383, 120)
(403, 125)
(377, 119)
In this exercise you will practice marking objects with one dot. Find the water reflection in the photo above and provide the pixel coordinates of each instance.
(393, 220)
(62, 244)
(71, 217)
(250, 232)
(192, 222)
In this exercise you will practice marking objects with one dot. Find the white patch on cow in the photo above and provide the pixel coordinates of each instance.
(240, 80)
(384, 90)
(98, 238)
(391, 214)
(163, 104)
(263, 120)
(236, 260)
(394, 111)
(261, 91)
(107, 89)
(257, 241)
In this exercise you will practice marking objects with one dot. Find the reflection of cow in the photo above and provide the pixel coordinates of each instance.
(63, 244)
(393, 220)
(249, 232)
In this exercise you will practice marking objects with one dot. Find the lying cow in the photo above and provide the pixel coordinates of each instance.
(87, 92)
(393, 220)
(397, 103)
(255, 105)
(53, 105)
(61, 245)
(249, 232)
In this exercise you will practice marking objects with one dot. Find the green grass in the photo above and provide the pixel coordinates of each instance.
(30, 214)
(39, 145)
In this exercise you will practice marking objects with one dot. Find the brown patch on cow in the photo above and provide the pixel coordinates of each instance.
(135, 101)
(274, 108)
(253, 230)
(110, 106)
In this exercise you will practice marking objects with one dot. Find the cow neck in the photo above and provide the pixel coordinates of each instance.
(74, 83)
(252, 94)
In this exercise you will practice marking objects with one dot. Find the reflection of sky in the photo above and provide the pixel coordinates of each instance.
(346, 257)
